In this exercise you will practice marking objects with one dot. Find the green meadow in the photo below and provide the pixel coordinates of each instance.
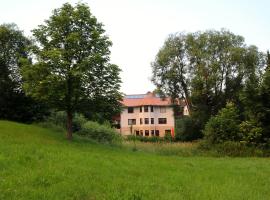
(38, 163)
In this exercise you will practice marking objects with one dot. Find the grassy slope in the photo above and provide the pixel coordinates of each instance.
(37, 163)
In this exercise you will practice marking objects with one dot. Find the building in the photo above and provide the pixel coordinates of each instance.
(148, 115)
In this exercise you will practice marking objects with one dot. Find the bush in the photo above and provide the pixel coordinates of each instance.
(251, 132)
(78, 121)
(59, 119)
(186, 129)
(224, 126)
(168, 137)
(100, 132)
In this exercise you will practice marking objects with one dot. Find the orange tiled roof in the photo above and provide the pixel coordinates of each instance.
(144, 100)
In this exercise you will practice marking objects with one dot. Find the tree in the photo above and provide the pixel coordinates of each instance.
(208, 68)
(170, 69)
(263, 113)
(14, 105)
(72, 62)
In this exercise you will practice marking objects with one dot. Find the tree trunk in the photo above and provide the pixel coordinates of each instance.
(69, 107)
(69, 125)
(187, 97)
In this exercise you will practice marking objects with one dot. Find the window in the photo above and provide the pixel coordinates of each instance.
(152, 121)
(146, 120)
(141, 132)
(131, 121)
(146, 133)
(130, 109)
(157, 133)
(141, 120)
(152, 132)
(162, 109)
(140, 108)
(152, 108)
(162, 120)
(137, 133)
(145, 108)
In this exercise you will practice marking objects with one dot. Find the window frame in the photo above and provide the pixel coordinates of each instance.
(129, 109)
(157, 133)
(145, 109)
(133, 122)
(146, 120)
(160, 120)
(146, 133)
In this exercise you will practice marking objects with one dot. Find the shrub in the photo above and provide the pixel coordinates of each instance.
(59, 119)
(186, 129)
(168, 137)
(78, 122)
(251, 132)
(100, 132)
(224, 126)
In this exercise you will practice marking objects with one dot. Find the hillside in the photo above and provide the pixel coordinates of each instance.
(37, 163)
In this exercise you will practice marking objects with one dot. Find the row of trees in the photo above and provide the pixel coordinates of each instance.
(65, 66)
(213, 68)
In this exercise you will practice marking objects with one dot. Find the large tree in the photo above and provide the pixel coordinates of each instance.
(207, 68)
(72, 62)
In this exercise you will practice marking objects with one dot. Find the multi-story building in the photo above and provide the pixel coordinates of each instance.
(148, 115)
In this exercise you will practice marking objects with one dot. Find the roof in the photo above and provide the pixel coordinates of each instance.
(148, 99)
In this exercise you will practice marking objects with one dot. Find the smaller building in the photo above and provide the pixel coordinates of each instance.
(149, 115)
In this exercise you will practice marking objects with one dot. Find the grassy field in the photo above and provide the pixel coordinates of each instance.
(37, 163)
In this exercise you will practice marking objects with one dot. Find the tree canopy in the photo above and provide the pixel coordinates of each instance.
(207, 68)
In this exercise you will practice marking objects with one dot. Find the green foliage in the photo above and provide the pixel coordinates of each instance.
(256, 98)
(170, 70)
(251, 132)
(263, 114)
(224, 126)
(168, 137)
(59, 119)
(72, 71)
(186, 129)
(208, 68)
(102, 133)
(14, 105)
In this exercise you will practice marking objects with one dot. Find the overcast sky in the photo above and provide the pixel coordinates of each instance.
(138, 28)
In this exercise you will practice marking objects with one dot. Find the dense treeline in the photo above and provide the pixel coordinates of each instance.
(64, 67)
(14, 104)
(213, 69)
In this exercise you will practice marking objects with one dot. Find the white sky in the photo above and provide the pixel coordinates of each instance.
(138, 28)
